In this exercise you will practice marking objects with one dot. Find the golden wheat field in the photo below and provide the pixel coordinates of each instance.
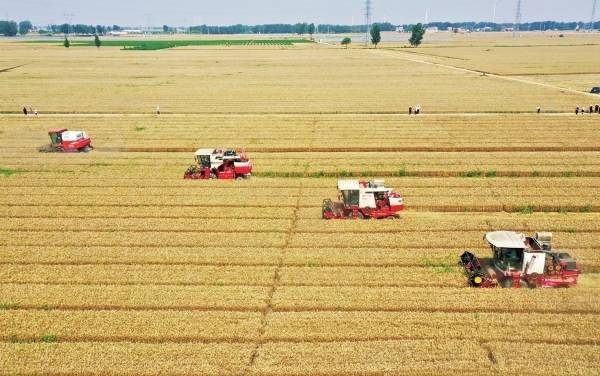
(111, 263)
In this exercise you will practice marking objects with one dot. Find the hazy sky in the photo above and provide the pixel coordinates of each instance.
(221, 12)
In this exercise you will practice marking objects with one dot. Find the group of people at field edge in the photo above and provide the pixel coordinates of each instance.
(30, 111)
(592, 109)
(416, 110)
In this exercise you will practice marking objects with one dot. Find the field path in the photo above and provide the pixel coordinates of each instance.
(416, 59)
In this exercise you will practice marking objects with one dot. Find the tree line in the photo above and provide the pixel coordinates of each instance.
(12, 28)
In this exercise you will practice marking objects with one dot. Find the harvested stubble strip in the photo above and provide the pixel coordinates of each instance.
(129, 326)
(217, 199)
(144, 239)
(405, 357)
(424, 239)
(138, 275)
(194, 192)
(146, 212)
(364, 326)
(157, 254)
(98, 181)
(124, 358)
(430, 299)
(230, 298)
(384, 257)
(372, 276)
(417, 221)
(146, 224)
(544, 359)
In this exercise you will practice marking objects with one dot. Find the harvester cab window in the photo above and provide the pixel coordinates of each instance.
(351, 197)
(204, 161)
(506, 257)
(55, 138)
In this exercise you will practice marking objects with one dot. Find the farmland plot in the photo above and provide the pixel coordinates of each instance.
(111, 263)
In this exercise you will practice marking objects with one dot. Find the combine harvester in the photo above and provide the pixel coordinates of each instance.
(362, 199)
(219, 164)
(65, 141)
(520, 261)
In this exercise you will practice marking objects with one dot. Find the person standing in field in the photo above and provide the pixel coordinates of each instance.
(158, 110)
(577, 110)
(25, 111)
(410, 110)
(418, 109)
(539, 109)
(35, 112)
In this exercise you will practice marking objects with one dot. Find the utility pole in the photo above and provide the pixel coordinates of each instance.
(68, 20)
(593, 15)
(518, 18)
(368, 17)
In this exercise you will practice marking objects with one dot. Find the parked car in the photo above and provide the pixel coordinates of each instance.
(595, 90)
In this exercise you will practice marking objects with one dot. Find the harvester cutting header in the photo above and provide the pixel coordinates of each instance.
(520, 261)
(219, 164)
(363, 199)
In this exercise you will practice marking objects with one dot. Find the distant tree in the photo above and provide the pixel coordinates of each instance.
(311, 29)
(8, 28)
(97, 41)
(24, 27)
(67, 43)
(346, 42)
(301, 28)
(375, 35)
(418, 31)
(166, 28)
(116, 28)
(100, 30)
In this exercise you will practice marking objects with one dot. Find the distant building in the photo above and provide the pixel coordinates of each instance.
(400, 29)
(433, 29)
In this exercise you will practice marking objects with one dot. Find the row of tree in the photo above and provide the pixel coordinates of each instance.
(10, 28)
(417, 33)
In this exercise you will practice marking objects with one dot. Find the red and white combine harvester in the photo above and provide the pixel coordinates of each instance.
(219, 164)
(63, 140)
(363, 199)
(520, 261)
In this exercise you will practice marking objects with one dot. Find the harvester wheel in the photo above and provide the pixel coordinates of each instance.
(361, 215)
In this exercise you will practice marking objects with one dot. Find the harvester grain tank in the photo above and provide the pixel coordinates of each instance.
(62, 140)
(520, 261)
(219, 164)
(363, 200)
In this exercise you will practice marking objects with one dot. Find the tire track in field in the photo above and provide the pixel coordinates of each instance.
(276, 283)
(408, 57)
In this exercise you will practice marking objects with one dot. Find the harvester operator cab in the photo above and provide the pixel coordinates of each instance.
(516, 252)
(203, 157)
(56, 136)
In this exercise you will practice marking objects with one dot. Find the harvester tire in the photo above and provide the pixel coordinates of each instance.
(507, 283)
(361, 215)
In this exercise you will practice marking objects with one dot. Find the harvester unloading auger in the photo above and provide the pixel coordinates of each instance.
(363, 200)
(520, 261)
(65, 141)
(219, 164)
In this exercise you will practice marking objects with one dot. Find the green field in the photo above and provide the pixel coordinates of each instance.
(163, 44)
